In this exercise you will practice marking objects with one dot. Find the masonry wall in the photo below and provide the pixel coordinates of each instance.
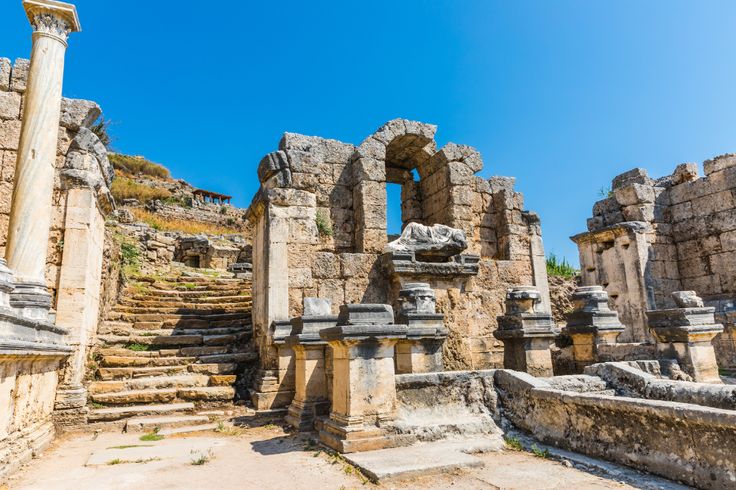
(653, 237)
(320, 230)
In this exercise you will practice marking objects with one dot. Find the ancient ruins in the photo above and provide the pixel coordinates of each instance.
(176, 313)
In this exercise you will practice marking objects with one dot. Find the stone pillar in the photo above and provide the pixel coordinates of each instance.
(686, 334)
(311, 397)
(30, 214)
(363, 384)
(421, 352)
(591, 323)
(527, 334)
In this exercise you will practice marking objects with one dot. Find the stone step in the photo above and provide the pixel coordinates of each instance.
(149, 383)
(162, 340)
(222, 368)
(202, 293)
(152, 300)
(150, 423)
(109, 374)
(117, 413)
(208, 393)
(228, 358)
(200, 312)
(130, 397)
(132, 331)
(142, 361)
(188, 429)
(175, 318)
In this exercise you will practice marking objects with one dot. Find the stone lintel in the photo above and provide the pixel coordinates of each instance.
(699, 333)
(304, 339)
(366, 314)
(280, 329)
(356, 333)
(612, 232)
(683, 317)
(312, 324)
(66, 11)
(405, 264)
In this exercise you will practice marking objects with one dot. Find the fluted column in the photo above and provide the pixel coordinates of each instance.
(31, 211)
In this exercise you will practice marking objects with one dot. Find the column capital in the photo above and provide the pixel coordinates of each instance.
(52, 18)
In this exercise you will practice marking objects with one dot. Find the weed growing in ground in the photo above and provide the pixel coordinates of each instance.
(114, 461)
(513, 442)
(539, 452)
(130, 445)
(199, 458)
(152, 436)
(163, 223)
(136, 347)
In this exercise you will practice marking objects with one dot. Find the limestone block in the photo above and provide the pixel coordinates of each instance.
(331, 290)
(76, 113)
(497, 184)
(326, 265)
(300, 277)
(307, 162)
(371, 240)
(634, 194)
(685, 172)
(719, 163)
(9, 134)
(713, 203)
(19, 75)
(728, 241)
(5, 68)
(9, 105)
(633, 176)
(368, 169)
(371, 148)
(356, 264)
(681, 211)
(638, 213)
(337, 152)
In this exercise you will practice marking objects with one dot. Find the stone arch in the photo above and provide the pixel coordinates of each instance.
(388, 155)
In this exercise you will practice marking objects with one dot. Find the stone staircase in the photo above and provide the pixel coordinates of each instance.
(172, 352)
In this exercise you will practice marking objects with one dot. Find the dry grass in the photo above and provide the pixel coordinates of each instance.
(138, 165)
(125, 188)
(190, 227)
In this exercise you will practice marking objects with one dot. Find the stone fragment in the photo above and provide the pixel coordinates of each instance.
(633, 176)
(685, 172)
(687, 299)
(719, 163)
(76, 113)
(272, 164)
(9, 105)
(317, 307)
(437, 241)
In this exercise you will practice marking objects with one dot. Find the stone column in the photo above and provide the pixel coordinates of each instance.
(590, 324)
(686, 334)
(527, 333)
(363, 382)
(30, 214)
(421, 352)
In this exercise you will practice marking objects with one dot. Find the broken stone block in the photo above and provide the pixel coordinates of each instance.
(527, 332)
(421, 352)
(686, 335)
(633, 176)
(76, 113)
(685, 172)
(719, 163)
(590, 324)
(5, 68)
(430, 241)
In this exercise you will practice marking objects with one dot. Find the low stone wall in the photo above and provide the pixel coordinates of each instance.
(690, 443)
(442, 405)
(631, 381)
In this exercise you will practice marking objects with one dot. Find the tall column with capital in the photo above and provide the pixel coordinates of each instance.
(31, 211)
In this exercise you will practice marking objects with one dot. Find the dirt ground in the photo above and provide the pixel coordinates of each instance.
(262, 458)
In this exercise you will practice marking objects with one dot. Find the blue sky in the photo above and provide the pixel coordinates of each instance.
(563, 95)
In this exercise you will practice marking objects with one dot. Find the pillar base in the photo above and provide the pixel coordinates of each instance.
(302, 415)
(32, 299)
(268, 394)
(68, 397)
(358, 438)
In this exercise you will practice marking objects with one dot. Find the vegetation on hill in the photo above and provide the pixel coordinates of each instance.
(131, 165)
(163, 223)
(559, 268)
(127, 188)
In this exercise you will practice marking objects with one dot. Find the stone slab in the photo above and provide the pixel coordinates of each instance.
(423, 459)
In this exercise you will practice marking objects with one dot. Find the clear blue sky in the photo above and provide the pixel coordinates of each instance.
(563, 95)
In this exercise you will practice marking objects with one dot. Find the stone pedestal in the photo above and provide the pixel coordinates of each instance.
(686, 334)
(590, 324)
(311, 395)
(527, 334)
(421, 352)
(364, 386)
(274, 388)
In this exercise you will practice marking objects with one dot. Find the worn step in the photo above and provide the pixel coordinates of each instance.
(208, 393)
(177, 317)
(141, 361)
(188, 429)
(222, 368)
(163, 340)
(228, 358)
(151, 382)
(164, 301)
(109, 374)
(188, 309)
(136, 396)
(147, 424)
(117, 413)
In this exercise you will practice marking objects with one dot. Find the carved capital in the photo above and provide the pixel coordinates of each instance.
(51, 18)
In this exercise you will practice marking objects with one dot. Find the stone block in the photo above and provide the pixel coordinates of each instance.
(9, 134)
(300, 277)
(719, 163)
(5, 69)
(633, 176)
(76, 113)
(326, 265)
(19, 75)
(634, 193)
(9, 105)
(685, 172)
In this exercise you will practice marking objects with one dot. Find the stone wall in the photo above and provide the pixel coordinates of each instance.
(320, 230)
(651, 435)
(653, 237)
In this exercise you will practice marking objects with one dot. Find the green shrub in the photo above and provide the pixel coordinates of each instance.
(324, 226)
(138, 165)
(560, 268)
(513, 442)
(540, 453)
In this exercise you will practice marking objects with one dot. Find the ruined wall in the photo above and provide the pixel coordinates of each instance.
(653, 237)
(320, 230)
